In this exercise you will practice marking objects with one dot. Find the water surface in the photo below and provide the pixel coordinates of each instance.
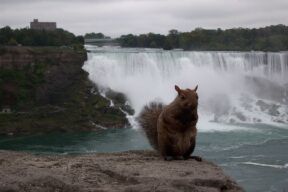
(255, 156)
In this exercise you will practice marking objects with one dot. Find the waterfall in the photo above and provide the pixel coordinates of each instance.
(250, 87)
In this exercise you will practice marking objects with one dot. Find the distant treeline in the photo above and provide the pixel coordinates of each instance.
(272, 38)
(30, 37)
(95, 36)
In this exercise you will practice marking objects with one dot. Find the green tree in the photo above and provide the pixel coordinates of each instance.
(95, 36)
(12, 41)
(31, 37)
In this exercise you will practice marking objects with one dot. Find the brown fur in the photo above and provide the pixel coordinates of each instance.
(171, 130)
(148, 120)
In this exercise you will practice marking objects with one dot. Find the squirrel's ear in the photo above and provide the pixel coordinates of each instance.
(177, 89)
(196, 88)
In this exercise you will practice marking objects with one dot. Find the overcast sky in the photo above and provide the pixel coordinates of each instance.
(116, 17)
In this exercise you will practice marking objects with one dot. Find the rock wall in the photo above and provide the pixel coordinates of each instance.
(46, 90)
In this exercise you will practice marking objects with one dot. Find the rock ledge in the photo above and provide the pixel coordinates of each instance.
(139, 171)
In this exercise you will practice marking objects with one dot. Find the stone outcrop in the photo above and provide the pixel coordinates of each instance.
(139, 171)
(46, 90)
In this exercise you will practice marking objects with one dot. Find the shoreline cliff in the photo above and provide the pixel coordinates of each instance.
(140, 171)
(44, 89)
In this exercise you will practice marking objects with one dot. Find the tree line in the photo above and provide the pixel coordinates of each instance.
(271, 38)
(94, 35)
(32, 37)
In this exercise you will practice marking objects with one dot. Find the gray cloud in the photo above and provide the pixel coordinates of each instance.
(116, 17)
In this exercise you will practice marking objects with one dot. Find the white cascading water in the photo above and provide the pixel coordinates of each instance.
(249, 87)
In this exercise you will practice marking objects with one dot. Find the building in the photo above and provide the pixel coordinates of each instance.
(35, 24)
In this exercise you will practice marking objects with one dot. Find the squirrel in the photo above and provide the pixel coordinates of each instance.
(171, 129)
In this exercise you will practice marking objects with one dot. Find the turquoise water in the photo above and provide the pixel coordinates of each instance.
(255, 155)
(111, 140)
(256, 158)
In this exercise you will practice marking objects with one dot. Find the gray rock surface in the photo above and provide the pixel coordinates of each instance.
(139, 171)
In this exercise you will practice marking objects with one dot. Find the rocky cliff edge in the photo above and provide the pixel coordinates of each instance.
(139, 171)
(44, 89)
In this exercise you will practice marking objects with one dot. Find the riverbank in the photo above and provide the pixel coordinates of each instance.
(125, 171)
(44, 89)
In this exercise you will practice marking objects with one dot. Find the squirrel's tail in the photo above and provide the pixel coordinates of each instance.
(148, 122)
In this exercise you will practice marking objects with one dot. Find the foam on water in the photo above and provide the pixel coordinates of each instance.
(250, 87)
(204, 125)
(266, 165)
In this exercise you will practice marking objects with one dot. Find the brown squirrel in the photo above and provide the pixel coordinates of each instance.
(171, 129)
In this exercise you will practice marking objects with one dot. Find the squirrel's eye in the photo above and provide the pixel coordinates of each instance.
(182, 97)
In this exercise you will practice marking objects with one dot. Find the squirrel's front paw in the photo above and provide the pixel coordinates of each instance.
(168, 158)
(197, 158)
